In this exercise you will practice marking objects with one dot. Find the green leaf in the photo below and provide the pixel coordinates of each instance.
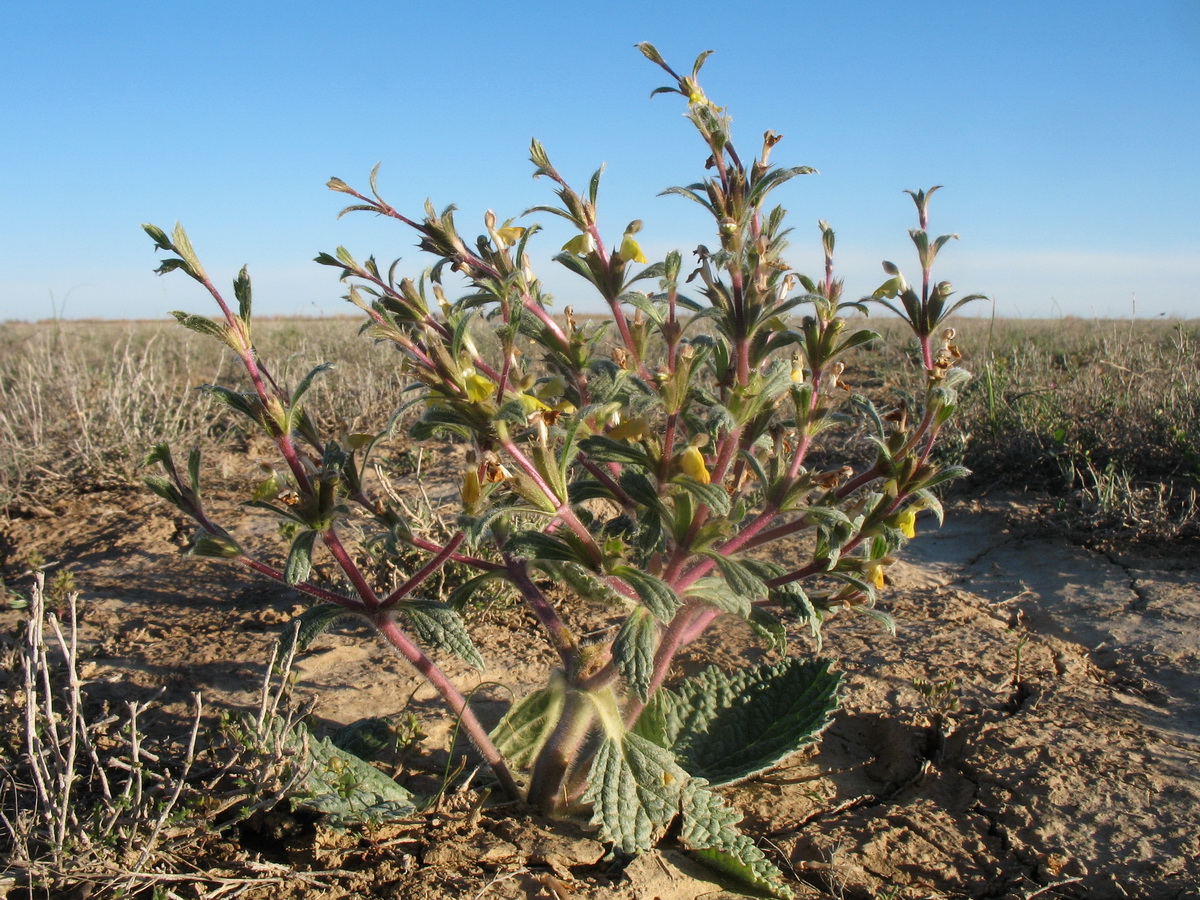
(166, 489)
(585, 583)
(639, 300)
(306, 382)
(711, 495)
(299, 560)
(657, 596)
(741, 578)
(634, 788)
(311, 624)
(932, 503)
(633, 651)
(365, 738)
(282, 511)
(536, 545)
(241, 290)
(641, 490)
(215, 546)
(728, 727)
(462, 594)
(437, 625)
(347, 789)
(710, 833)
(768, 627)
(193, 466)
(161, 241)
(716, 593)
(247, 405)
(183, 246)
(605, 449)
(827, 516)
(202, 325)
(525, 727)
(950, 473)
(159, 453)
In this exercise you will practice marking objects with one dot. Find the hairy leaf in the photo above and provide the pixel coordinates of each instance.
(437, 625)
(727, 727)
(711, 495)
(365, 738)
(215, 546)
(202, 325)
(634, 788)
(311, 624)
(299, 561)
(716, 592)
(537, 545)
(526, 726)
(345, 788)
(658, 596)
(710, 833)
(740, 578)
(462, 594)
(633, 651)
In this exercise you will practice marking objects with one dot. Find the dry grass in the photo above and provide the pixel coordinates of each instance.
(82, 402)
(1105, 415)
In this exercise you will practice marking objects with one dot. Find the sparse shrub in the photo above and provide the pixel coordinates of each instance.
(655, 464)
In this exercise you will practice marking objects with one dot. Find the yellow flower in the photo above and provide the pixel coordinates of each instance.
(530, 403)
(906, 522)
(479, 387)
(632, 429)
(508, 235)
(874, 570)
(630, 251)
(875, 574)
(692, 464)
(580, 245)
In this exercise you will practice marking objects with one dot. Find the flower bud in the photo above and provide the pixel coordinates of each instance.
(470, 489)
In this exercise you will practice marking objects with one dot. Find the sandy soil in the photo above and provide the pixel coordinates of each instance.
(1069, 767)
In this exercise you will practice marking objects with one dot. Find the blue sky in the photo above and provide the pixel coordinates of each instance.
(1066, 134)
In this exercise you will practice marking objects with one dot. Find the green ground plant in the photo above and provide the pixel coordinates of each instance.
(655, 463)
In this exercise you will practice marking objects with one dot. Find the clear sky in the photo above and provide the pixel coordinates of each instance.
(1066, 134)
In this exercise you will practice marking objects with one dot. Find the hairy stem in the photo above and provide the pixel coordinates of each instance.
(561, 753)
(387, 627)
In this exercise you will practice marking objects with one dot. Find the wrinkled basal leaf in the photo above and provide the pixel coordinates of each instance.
(634, 788)
(710, 833)
(727, 727)
(365, 738)
(346, 788)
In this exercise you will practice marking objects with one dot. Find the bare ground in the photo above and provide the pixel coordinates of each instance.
(1068, 769)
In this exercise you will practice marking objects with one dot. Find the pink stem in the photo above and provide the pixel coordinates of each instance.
(423, 573)
(387, 627)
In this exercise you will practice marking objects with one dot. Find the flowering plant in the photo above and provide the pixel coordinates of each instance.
(654, 462)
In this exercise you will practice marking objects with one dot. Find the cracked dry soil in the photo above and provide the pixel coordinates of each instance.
(1067, 765)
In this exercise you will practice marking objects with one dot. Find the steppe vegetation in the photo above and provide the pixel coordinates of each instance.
(81, 400)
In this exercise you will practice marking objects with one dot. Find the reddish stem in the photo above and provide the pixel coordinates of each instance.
(419, 577)
(387, 627)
